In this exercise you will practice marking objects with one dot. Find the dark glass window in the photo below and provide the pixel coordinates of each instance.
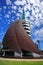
(28, 32)
(26, 25)
(26, 28)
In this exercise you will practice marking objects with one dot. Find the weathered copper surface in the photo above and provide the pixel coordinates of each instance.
(17, 39)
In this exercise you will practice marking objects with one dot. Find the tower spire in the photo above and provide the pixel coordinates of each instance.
(23, 15)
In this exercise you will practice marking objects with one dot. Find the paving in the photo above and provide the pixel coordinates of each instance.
(13, 59)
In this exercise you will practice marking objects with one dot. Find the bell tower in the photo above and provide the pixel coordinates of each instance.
(25, 23)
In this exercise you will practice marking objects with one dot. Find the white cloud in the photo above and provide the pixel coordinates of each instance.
(7, 15)
(33, 12)
(28, 1)
(41, 21)
(35, 2)
(36, 9)
(13, 17)
(27, 14)
(32, 1)
(38, 22)
(32, 26)
(8, 22)
(18, 17)
(4, 7)
(40, 16)
(41, 3)
(23, 2)
(42, 10)
(9, 12)
(20, 9)
(8, 2)
(14, 7)
(27, 6)
(0, 9)
(20, 2)
(3, 33)
(32, 18)
(36, 13)
(17, 2)
(39, 33)
(18, 14)
(13, 20)
(13, 11)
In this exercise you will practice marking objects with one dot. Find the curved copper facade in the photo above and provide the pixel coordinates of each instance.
(17, 39)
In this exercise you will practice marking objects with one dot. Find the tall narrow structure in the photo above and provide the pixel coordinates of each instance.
(25, 23)
(23, 15)
(18, 39)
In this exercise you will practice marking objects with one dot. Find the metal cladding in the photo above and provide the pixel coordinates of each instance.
(17, 39)
(26, 26)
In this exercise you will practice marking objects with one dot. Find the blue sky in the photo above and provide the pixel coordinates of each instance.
(10, 10)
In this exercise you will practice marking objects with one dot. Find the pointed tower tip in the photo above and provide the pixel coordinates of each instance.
(23, 14)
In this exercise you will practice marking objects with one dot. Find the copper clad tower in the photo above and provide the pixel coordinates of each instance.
(18, 37)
